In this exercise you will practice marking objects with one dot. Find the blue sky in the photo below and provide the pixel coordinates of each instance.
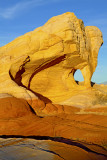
(20, 16)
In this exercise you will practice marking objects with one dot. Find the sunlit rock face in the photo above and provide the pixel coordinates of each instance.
(45, 60)
(40, 97)
(40, 66)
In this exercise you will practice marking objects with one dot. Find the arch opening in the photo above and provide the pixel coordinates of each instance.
(78, 77)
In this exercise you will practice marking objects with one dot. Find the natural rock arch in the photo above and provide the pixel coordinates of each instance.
(45, 59)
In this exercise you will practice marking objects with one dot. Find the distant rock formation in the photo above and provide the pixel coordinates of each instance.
(104, 83)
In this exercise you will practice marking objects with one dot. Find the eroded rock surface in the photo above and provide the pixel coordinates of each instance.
(38, 93)
(45, 60)
(22, 148)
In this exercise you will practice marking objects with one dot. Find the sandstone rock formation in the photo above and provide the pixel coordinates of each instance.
(38, 93)
(45, 60)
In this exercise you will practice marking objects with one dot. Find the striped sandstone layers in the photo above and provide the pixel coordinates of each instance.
(38, 93)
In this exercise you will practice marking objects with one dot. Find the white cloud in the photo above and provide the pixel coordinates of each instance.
(10, 12)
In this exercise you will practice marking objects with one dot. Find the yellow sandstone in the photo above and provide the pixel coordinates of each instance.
(42, 63)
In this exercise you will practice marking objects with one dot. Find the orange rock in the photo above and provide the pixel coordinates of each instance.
(11, 107)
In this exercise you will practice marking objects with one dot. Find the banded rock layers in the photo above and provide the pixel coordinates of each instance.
(38, 93)
(44, 61)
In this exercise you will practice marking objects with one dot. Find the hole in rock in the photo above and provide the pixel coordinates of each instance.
(78, 76)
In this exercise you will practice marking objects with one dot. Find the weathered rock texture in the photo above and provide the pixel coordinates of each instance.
(51, 149)
(45, 60)
(38, 92)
